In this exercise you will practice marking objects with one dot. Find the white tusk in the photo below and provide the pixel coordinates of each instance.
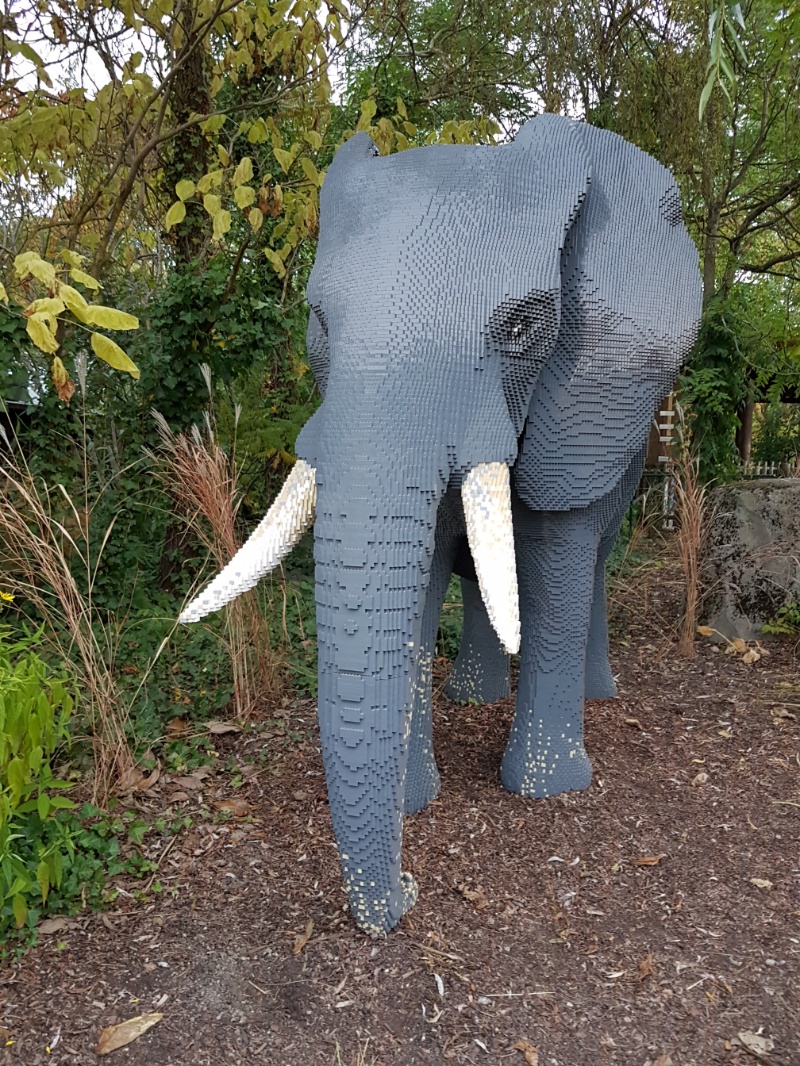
(486, 495)
(290, 515)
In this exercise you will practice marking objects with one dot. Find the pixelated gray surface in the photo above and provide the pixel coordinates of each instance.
(475, 309)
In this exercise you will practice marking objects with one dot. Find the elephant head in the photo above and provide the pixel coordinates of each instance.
(436, 302)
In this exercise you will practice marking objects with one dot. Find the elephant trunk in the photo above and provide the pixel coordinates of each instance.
(373, 552)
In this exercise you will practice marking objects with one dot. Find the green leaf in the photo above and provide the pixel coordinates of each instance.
(175, 215)
(110, 352)
(15, 776)
(111, 318)
(43, 805)
(20, 909)
(62, 803)
(43, 877)
(706, 95)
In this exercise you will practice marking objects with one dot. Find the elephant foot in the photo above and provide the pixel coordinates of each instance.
(421, 787)
(555, 764)
(471, 681)
(377, 916)
(600, 684)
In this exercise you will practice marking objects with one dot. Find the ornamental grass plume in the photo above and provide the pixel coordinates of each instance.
(203, 480)
(692, 519)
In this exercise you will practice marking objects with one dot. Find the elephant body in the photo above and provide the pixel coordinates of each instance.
(491, 330)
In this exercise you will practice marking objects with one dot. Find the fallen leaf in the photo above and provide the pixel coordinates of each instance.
(739, 646)
(177, 727)
(302, 939)
(116, 1036)
(239, 808)
(474, 895)
(751, 656)
(781, 712)
(529, 1051)
(755, 1043)
(706, 631)
(700, 779)
(223, 727)
(647, 860)
(646, 967)
(663, 1060)
(761, 882)
(53, 925)
(194, 779)
(136, 780)
(179, 797)
(634, 722)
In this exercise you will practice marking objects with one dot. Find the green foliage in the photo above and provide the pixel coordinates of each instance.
(35, 709)
(450, 621)
(786, 622)
(776, 433)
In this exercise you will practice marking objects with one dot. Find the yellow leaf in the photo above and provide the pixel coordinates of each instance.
(276, 262)
(184, 189)
(739, 646)
(74, 301)
(85, 279)
(310, 170)
(244, 196)
(258, 132)
(212, 204)
(222, 223)
(65, 386)
(401, 108)
(71, 258)
(111, 318)
(285, 159)
(314, 139)
(705, 631)
(256, 219)
(212, 180)
(3, 293)
(39, 333)
(176, 214)
(244, 171)
(110, 352)
(410, 129)
(368, 109)
(31, 263)
(213, 124)
(51, 304)
(116, 1036)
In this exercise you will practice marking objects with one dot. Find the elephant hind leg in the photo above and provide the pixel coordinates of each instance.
(480, 672)
(600, 683)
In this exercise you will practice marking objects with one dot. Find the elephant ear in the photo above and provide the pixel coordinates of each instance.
(546, 181)
(631, 301)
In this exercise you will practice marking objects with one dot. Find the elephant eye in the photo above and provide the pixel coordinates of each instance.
(517, 325)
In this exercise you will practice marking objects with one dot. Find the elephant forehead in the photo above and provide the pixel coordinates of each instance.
(428, 225)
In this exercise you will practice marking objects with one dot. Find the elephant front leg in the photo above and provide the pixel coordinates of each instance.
(600, 684)
(422, 779)
(556, 555)
(480, 672)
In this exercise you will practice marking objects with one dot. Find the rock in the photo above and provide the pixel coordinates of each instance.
(752, 560)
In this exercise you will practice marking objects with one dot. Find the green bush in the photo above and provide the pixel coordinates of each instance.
(35, 709)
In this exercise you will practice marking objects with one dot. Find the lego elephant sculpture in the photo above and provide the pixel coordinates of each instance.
(491, 329)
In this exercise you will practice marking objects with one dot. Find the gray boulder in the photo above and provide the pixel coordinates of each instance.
(752, 558)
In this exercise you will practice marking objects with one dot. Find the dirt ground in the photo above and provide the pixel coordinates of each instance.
(649, 920)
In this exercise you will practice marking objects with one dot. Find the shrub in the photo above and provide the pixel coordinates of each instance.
(35, 709)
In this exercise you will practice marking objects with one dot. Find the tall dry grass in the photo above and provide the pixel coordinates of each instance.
(203, 480)
(44, 542)
(692, 520)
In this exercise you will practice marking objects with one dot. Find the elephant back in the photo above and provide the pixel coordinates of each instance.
(630, 308)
